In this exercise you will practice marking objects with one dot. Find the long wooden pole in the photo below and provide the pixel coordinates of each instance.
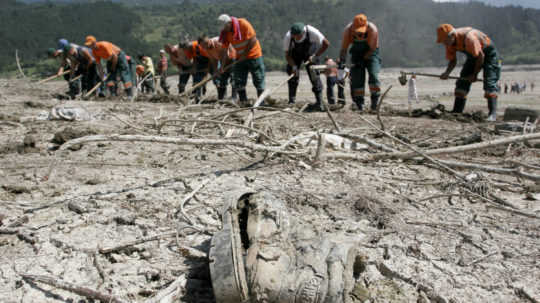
(53, 77)
(96, 87)
(203, 82)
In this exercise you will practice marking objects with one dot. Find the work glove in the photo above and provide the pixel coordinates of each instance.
(313, 59)
(295, 70)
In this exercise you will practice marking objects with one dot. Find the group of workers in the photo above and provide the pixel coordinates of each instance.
(237, 52)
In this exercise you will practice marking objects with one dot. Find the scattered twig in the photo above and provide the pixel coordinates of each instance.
(459, 149)
(495, 170)
(79, 290)
(170, 292)
(135, 242)
(189, 196)
(98, 267)
(219, 123)
(379, 106)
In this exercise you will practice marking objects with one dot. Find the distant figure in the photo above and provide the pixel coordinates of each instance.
(162, 68)
(481, 54)
(524, 87)
(506, 87)
(148, 74)
(532, 86)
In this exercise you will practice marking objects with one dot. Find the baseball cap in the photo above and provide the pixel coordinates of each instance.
(89, 40)
(62, 44)
(360, 23)
(442, 32)
(297, 28)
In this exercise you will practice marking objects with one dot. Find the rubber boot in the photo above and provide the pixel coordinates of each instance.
(492, 107)
(129, 93)
(221, 92)
(234, 94)
(259, 93)
(319, 105)
(181, 89)
(112, 90)
(374, 102)
(293, 86)
(459, 105)
(242, 97)
(359, 100)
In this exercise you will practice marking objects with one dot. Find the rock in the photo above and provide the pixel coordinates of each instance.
(77, 207)
(70, 133)
(16, 189)
(515, 127)
(521, 114)
(33, 104)
(127, 219)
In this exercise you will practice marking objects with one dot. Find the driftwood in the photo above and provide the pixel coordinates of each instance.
(459, 149)
(79, 290)
(178, 141)
(19, 63)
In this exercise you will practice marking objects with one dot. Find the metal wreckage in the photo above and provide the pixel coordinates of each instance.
(262, 254)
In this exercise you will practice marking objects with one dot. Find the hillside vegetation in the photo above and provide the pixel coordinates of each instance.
(407, 27)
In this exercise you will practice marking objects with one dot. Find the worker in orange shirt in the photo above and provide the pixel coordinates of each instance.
(198, 64)
(118, 65)
(363, 38)
(481, 54)
(239, 33)
(216, 53)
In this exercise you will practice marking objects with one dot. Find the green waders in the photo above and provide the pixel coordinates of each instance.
(491, 75)
(358, 73)
(240, 75)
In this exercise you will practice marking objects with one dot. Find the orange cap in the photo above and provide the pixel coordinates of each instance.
(139, 69)
(442, 32)
(360, 23)
(90, 40)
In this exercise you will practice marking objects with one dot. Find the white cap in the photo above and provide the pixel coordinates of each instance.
(224, 19)
(161, 51)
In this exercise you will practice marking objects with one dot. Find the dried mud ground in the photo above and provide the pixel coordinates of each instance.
(423, 238)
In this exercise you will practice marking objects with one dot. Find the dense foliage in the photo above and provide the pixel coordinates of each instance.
(407, 26)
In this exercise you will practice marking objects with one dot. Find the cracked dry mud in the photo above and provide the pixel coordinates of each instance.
(66, 213)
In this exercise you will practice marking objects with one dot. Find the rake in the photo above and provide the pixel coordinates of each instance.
(403, 78)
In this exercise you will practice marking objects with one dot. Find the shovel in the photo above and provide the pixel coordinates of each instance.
(403, 78)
